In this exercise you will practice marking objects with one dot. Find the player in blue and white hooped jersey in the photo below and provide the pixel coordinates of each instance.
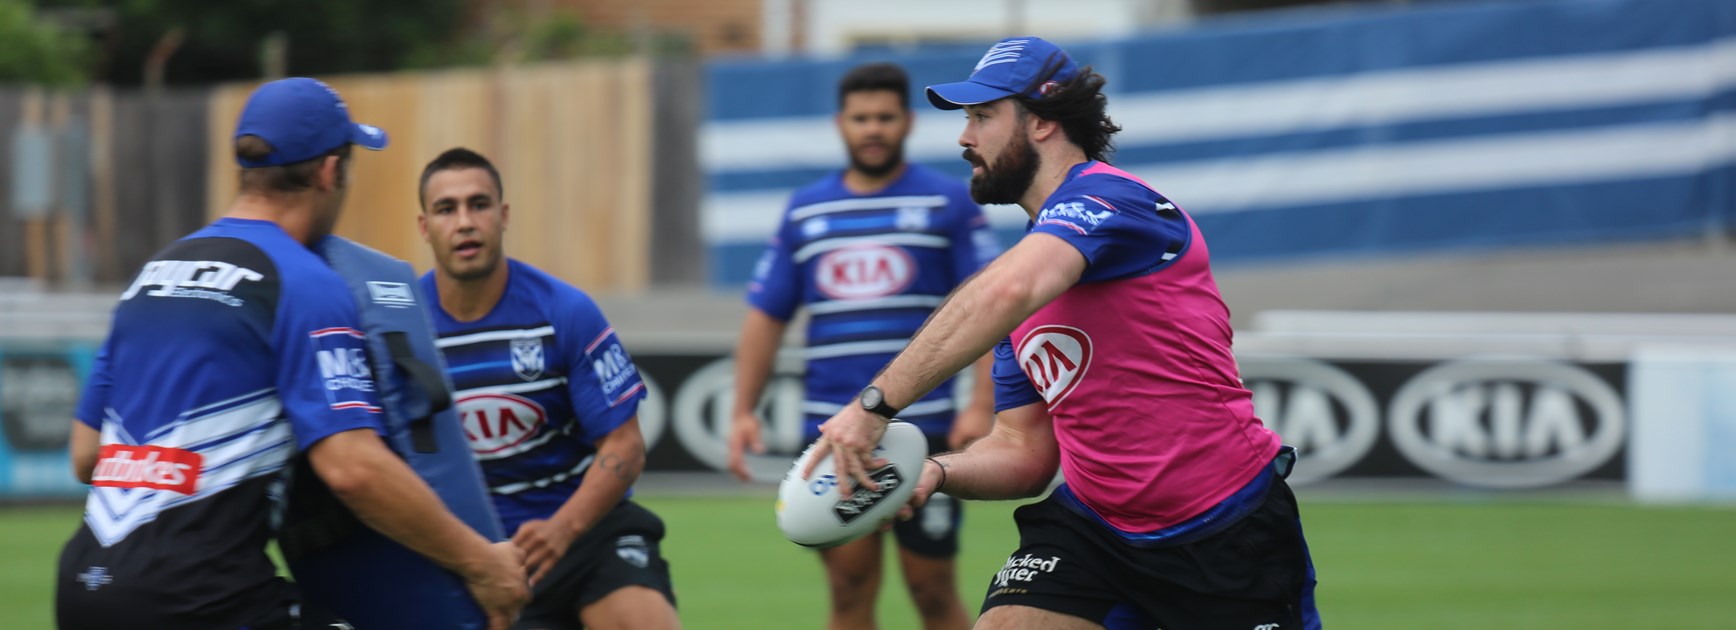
(549, 400)
(232, 350)
(869, 252)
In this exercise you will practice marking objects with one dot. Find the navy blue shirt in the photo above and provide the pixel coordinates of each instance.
(870, 269)
(539, 380)
(234, 348)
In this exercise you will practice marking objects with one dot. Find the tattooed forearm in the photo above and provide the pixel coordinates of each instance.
(626, 469)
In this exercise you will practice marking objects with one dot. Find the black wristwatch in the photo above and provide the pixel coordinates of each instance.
(874, 401)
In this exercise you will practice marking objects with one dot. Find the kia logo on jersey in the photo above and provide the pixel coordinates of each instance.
(1055, 358)
(499, 423)
(864, 271)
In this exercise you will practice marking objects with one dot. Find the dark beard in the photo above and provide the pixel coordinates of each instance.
(1010, 176)
(894, 158)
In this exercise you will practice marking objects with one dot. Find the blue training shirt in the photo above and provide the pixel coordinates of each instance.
(538, 381)
(233, 349)
(870, 269)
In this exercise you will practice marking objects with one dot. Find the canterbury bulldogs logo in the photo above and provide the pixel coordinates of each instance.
(95, 578)
(1003, 52)
(632, 549)
(527, 358)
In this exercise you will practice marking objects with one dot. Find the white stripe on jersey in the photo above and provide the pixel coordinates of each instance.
(828, 244)
(495, 335)
(896, 301)
(515, 388)
(870, 203)
(520, 447)
(854, 348)
(938, 405)
(193, 431)
(262, 444)
(269, 391)
(514, 488)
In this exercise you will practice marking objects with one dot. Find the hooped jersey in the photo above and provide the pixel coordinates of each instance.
(1134, 361)
(869, 269)
(233, 349)
(538, 380)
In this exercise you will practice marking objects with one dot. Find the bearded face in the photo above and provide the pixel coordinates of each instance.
(1006, 179)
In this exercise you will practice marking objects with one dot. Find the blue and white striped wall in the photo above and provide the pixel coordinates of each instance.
(1368, 132)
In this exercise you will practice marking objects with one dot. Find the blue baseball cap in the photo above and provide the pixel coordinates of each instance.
(301, 118)
(1011, 66)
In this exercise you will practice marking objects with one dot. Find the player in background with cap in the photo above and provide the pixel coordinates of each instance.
(549, 399)
(869, 251)
(235, 348)
(1113, 363)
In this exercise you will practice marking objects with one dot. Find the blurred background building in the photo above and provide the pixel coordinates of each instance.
(1478, 243)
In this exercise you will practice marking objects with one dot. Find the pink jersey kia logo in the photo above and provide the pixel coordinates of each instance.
(1055, 359)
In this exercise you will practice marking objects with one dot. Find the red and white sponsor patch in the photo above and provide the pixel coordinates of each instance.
(154, 467)
(496, 422)
(1055, 358)
(864, 271)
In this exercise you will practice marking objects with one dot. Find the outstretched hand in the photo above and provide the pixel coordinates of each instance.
(850, 437)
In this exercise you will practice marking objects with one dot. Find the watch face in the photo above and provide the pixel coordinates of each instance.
(871, 397)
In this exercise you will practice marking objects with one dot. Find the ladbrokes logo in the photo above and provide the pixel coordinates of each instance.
(871, 271)
(1055, 358)
(1507, 423)
(154, 467)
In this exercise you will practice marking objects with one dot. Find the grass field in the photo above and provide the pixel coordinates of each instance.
(1382, 565)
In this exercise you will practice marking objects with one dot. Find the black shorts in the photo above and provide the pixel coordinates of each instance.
(282, 610)
(933, 531)
(1254, 572)
(621, 550)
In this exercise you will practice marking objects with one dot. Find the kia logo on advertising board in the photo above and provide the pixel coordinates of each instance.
(1507, 423)
(1329, 416)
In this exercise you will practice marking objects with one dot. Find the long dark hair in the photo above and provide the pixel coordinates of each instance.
(1078, 104)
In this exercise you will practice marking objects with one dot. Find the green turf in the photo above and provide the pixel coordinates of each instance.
(1382, 565)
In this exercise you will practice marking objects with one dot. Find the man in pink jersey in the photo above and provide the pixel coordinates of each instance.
(1113, 363)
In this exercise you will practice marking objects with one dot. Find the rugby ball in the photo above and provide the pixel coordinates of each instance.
(812, 513)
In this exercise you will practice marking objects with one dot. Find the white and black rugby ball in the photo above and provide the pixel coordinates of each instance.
(812, 513)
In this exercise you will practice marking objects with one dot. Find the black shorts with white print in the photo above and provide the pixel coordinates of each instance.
(623, 549)
(1254, 573)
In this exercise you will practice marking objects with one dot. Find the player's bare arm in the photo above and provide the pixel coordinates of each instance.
(974, 318)
(382, 490)
(84, 444)
(620, 459)
(756, 350)
(975, 419)
(1016, 460)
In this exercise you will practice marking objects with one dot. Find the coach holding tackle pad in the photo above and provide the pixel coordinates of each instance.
(211, 381)
(1112, 362)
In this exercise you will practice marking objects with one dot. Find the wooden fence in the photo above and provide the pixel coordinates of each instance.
(573, 143)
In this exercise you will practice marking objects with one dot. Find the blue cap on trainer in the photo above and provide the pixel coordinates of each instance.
(301, 118)
(1011, 66)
